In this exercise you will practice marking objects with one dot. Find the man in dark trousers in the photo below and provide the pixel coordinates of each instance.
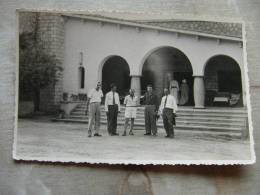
(150, 111)
(168, 110)
(112, 108)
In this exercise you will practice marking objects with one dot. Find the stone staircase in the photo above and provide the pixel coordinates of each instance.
(228, 121)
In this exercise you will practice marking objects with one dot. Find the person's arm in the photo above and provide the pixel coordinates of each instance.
(161, 107)
(156, 103)
(125, 100)
(144, 99)
(118, 102)
(175, 107)
(88, 100)
(101, 96)
(106, 102)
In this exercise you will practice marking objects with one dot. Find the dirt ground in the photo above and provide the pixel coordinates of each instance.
(44, 140)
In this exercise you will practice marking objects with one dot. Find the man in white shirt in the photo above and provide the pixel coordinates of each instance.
(130, 111)
(112, 108)
(94, 100)
(168, 110)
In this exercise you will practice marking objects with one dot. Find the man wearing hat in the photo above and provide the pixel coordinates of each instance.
(150, 111)
(112, 107)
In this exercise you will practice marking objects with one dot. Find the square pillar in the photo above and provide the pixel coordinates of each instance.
(199, 92)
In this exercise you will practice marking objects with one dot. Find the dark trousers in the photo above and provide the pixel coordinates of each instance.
(168, 121)
(112, 119)
(150, 119)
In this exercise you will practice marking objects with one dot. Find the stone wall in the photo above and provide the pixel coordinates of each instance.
(27, 22)
(51, 35)
(50, 28)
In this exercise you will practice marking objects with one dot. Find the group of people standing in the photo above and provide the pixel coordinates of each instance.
(153, 110)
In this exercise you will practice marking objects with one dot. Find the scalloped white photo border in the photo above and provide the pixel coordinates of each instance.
(159, 15)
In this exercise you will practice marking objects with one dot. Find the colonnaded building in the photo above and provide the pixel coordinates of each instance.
(134, 53)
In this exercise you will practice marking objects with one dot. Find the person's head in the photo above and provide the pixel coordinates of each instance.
(184, 81)
(113, 87)
(169, 76)
(166, 91)
(98, 86)
(149, 88)
(132, 92)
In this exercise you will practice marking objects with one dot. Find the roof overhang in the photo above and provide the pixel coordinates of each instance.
(138, 25)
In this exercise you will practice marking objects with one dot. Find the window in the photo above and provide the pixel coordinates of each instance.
(81, 77)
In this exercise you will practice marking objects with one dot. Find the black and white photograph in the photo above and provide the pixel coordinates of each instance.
(127, 89)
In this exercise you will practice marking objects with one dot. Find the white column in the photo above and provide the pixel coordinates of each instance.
(136, 85)
(199, 92)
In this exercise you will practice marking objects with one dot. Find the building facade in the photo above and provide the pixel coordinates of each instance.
(132, 54)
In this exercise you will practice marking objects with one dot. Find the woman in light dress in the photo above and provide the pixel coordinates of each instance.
(184, 89)
(174, 89)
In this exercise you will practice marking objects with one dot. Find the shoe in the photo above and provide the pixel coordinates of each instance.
(98, 135)
(171, 136)
(167, 136)
(131, 133)
(124, 134)
(114, 134)
(89, 135)
(147, 134)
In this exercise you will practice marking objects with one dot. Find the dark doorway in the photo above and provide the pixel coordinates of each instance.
(164, 61)
(222, 78)
(116, 70)
(229, 81)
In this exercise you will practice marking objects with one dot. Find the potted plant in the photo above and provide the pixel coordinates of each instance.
(65, 96)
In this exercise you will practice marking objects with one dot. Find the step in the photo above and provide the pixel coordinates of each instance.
(180, 115)
(182, 111)
(178, 119)
(205, 119)
(160, 122)
(224, 111)
(181, 127)
(187, 109)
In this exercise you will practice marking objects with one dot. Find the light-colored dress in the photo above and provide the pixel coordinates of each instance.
(184, 94)
(174, 89)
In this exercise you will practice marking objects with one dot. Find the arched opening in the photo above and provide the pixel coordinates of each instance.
(81, 77)
(165, 64)
(223, 84)
(116, 70)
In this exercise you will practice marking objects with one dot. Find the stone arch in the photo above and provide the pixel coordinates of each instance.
(155, 49)
(222, 77)
(221, 55)
(161, 64)
(115, 69)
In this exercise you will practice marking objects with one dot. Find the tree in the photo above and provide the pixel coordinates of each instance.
(37, 69)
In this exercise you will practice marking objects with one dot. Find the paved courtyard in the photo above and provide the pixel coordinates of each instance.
(41, 139)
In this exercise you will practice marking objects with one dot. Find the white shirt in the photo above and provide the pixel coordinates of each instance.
(129, 101)
(109, 100)
(171, 103)
(95, 96)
